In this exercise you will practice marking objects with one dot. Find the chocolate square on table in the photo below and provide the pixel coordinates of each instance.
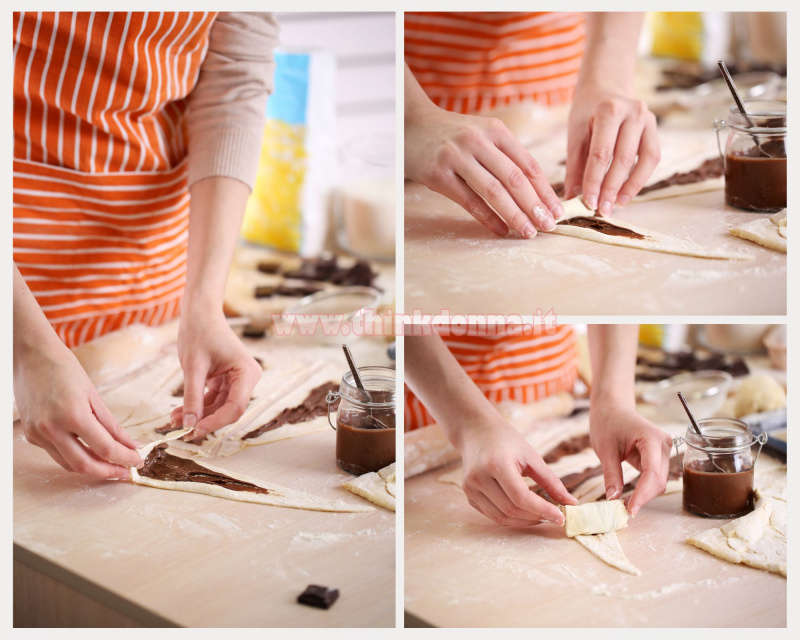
(255, 329)
(268, 266)
(266, 291)
(318, 596)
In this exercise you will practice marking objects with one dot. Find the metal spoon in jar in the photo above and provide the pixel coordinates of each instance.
(697, 430)
(723, 69)
(357, 379)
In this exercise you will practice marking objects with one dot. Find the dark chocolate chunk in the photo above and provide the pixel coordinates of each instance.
(255, 330)
(259, 361)
(178, 393)
(320, 270)
(269, 267)
(296, 291)
(265, 292)
(318, 596)
(359, 275)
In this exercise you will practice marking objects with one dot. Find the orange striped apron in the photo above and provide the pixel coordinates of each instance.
(101, 200)
(509, 366)
(470, 62)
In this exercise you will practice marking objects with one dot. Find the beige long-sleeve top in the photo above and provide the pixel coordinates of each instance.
(226, 108)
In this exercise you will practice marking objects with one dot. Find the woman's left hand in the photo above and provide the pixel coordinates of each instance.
(612, 148)
(212, 356)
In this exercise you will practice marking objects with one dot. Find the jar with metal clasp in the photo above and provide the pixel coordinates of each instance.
(718, 467)
(365, 421)
(755, 156)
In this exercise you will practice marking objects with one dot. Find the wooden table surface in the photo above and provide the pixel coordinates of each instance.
(453, 263)
(461, 570)
(197, 561)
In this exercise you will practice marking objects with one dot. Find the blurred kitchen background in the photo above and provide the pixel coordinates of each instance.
(327, 168)
(723, 370)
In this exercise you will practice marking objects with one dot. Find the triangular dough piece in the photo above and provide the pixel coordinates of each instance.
(768, 232)
(606, 546)
(653, 240)
(278, 496)
(377, 487)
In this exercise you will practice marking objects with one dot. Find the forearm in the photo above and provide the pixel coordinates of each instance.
(32, 331)
(415, 99)
(442, 385)
(216, 212)
(612, 348)
(609, 59)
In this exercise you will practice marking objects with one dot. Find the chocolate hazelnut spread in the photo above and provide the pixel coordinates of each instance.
(756, 182)
(161, 465)
(361, 448)
(312, 407)
(572, 481)
(709, 492)
(713, 168)
(601, 225)
(568, 447)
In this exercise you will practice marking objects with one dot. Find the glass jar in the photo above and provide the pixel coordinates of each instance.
(718, 468)
(365, 422)
(755, 156)
(364, 203)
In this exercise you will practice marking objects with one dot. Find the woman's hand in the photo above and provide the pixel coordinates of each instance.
(212, 356)
(612, 148)
(496, 461)
(58, 404)
(474, 161)
(619, 434)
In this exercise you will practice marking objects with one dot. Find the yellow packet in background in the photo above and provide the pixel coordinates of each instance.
(677, 34)
(288, 209)
(693, 36)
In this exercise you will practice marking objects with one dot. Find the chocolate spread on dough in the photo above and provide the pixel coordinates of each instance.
(167, 428)
(568, 447)
(713, 168)
(161, 465)
(602, 226)
(572, 481)
(312, 407)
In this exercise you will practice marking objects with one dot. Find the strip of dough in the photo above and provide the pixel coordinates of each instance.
(595, 517)
(377, 487)
(768, 232)
(654, 241)
(606, 546)
(278, 496)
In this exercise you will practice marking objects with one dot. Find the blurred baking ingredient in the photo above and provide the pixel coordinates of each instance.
(365, 201)
(656, 364)
(288, 209)
(759, 393)
(775, 342)
(734, 338)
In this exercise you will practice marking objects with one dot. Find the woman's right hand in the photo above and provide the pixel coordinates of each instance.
(475, 160)
(496, 460)
(58, 404)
